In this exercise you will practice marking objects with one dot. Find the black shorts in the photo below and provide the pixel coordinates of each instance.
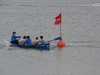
(14, 42)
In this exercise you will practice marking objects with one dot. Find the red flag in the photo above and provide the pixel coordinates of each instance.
(58, 19)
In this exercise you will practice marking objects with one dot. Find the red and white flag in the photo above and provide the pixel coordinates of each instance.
(58, 19)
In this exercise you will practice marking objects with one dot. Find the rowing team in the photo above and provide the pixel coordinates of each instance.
(26, 40)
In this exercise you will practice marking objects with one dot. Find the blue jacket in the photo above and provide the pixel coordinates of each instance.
(28, 42)
(14, 37)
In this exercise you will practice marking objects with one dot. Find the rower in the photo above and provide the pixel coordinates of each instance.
(23, 40)
(41, 41)
(28, 41)
(14, 38)
(36, 41)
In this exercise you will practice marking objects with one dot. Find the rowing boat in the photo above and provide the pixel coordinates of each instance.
(45, 46)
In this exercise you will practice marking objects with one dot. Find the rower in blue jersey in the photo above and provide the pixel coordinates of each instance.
(28, 41)
(41, 41)
(14, 38)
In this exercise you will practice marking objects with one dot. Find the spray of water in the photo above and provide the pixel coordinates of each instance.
(6, 43)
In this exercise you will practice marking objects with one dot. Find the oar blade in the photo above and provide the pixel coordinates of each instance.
(58, 38)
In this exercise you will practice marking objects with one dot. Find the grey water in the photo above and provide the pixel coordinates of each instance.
(80, 31)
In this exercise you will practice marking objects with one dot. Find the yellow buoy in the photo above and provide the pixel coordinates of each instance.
(61, 43)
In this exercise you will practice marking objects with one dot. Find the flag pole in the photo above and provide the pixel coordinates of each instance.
(58, 21)
(60, 32)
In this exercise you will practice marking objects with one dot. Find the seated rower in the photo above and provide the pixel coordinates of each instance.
(23, 40)
(14, 38)
(41, 41)
(36, 41)
(28, 41)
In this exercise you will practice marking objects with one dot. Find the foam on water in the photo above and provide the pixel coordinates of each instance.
(6, 43)
(96, 4)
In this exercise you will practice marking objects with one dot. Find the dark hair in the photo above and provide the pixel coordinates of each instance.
(24, 37)
(28, 37)
(36, 37)
(14, 32)
(41, 37)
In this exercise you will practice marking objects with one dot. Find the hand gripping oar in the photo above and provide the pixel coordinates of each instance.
(58, 38)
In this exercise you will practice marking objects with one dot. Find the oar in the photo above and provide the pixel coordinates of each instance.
(58, 38)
